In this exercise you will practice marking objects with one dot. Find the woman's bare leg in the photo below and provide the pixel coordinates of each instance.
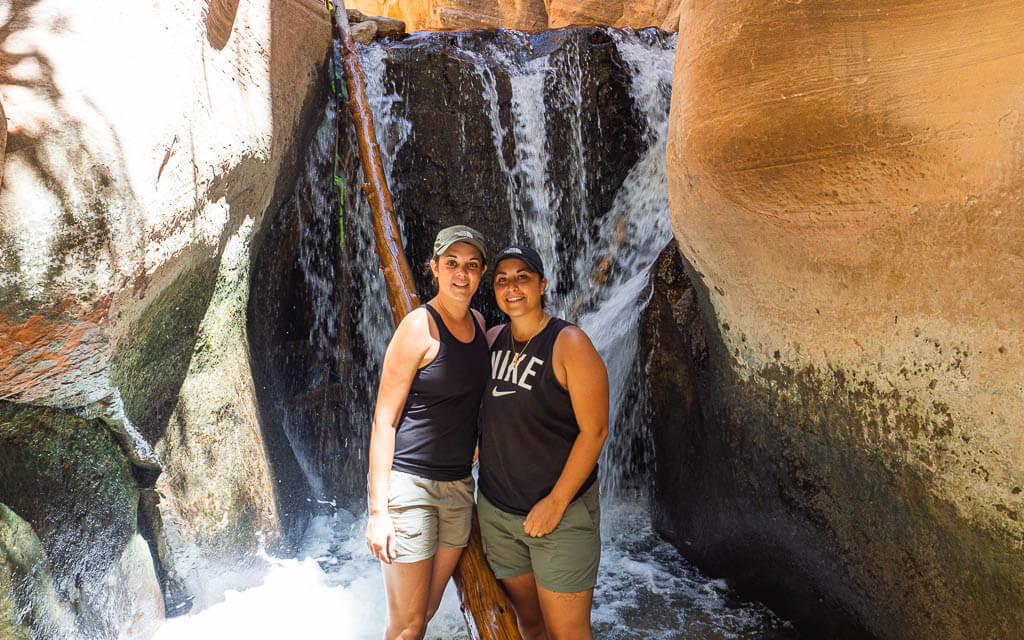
(444, 565)
(567, 615)
(407, 585)
(522, 591)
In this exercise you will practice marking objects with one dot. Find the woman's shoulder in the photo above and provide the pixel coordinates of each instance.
(479, 317)
(418, 317)
(417, 324)
(571, 340)
(493, 332)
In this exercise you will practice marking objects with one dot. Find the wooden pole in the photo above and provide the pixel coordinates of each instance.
(488, 613)
(402, 294)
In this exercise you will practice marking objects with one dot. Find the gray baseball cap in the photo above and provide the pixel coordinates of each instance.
(459, 233)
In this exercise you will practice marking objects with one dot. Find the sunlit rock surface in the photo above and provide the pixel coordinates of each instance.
(847, 181)
(617, 13)
(3, 139)
(144, 146)
(525, 15)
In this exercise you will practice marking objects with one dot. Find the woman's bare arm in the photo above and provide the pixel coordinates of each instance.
(405, 354)
(580, 368)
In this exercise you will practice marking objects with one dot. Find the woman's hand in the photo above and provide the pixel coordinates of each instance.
(544, 516)
(380, 537)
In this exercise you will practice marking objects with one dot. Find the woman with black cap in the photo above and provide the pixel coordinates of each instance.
(544, 420)
(424, 435)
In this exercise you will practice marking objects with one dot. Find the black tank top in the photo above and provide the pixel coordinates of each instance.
(527, 423)
(437, 432)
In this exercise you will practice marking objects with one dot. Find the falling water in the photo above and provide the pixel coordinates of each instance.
(646, 590)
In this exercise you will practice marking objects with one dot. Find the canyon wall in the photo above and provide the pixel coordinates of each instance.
(525, 15)
(847, 188)
(144, 146)
(847, 182)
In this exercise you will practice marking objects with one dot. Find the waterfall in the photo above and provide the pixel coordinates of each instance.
(550, 142)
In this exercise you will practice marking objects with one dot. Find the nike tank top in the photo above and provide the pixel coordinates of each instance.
(437, 432)
(527, 423)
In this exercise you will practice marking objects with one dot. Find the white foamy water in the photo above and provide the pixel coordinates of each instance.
(645, 590)
(332, 590)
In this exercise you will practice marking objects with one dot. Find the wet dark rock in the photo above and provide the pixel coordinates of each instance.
(759, 482)
(31, 606)
(716, 493)
(152, 361)
(303, 384)
(456, 168)
(69, 480)
(673, 341)
(450, 174)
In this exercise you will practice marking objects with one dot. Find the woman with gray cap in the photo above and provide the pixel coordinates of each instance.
(424, 435)
(543, 423)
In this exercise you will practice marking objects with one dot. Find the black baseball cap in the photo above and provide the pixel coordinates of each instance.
(524, 253)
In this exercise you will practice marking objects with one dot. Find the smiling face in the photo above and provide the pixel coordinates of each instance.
(517, 290)
(458, 271)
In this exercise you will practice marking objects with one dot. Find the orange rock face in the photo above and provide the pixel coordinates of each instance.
(51, 360)
(525, 15)
(617, 13)
(848, 179)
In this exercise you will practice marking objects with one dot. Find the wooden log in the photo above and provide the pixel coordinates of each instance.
(402, 294)
(486, 608)
(488, 612)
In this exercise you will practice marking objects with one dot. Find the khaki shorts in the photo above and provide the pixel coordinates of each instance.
(427, 513)
(564, 561)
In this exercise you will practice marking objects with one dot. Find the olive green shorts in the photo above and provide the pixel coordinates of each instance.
(428, 513)
(564, 561)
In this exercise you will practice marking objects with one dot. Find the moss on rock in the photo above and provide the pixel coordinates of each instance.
(151, 362)
(70, 481)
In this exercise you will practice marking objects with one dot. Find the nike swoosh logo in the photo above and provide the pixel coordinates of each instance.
(498, 394)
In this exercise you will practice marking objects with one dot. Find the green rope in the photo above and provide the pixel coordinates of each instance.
(339, 90)
(339, 182)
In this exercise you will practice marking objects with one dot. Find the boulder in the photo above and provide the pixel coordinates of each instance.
(364, 32)
(144, 146)
(384, 26)
(417, 14)
(75, 533)
(847, 186)
(388, 26)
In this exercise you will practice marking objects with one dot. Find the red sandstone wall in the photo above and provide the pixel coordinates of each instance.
(527, 15)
